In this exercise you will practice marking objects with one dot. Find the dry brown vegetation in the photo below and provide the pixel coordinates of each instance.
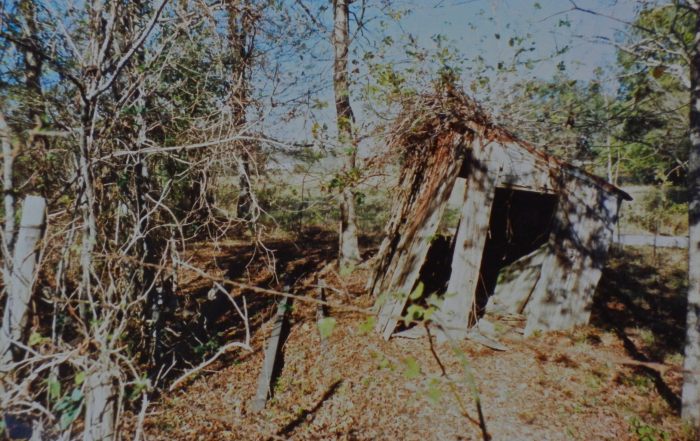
(618, 379)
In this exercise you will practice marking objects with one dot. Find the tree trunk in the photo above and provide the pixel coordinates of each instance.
(148, 247)
(239, 21)
(100, 405)
(244, 191)
(691, 365)
(8, 200)
(32, 63)
(22, 277)
(349, 250)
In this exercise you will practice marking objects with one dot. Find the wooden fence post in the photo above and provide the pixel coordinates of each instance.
(321, 311)
(271, 352)
(22, 276)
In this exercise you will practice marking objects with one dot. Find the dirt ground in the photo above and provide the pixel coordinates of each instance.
(617, 379)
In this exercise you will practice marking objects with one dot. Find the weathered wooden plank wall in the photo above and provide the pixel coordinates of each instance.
(415, 220)
(483, 168)
(578, 245)
(520, 170)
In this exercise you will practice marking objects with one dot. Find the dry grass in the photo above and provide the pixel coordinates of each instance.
(553, 387)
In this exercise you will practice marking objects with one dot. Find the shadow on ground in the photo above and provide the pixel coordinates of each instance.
(207, 319)
(642, 298)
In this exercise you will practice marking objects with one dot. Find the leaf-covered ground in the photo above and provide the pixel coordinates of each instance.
(618, 379)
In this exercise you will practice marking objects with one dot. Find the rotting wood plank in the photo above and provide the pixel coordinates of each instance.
(321, 312)
(272, 351)
(415, 221)
(578, 246)
(417, 187)
(408, 268)
(453, 315)
(516, 282)
(22, 276)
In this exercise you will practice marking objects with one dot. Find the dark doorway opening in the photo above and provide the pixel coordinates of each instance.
(520, 223)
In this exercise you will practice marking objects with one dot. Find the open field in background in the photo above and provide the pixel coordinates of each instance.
(297, 201)
(654, 210)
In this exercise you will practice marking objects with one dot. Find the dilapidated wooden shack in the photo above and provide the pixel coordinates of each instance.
(532, 228)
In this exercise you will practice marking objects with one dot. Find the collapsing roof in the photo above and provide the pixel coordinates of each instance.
(447, 136)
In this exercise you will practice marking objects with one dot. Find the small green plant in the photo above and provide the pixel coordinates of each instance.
(416, 312)
(675, 358)
(346, 270)
(281, 385)
(326, 326)
(367, 326)
(54, 388)
(36, 339)
(648, 337)
(433, 391)
(593, 381)
(646, 432)
(642, 382)
(411, 369)
(206, 348)
(140, 385)
(385, 363)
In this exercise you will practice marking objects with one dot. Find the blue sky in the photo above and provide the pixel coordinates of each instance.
(552, 25)
(475, 28)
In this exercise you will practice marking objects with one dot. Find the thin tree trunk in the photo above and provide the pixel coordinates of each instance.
(8, 200)
(691, 365)
(349, 249)
(87, 208)
(239, 22)
(244, 191)
(32, 63)
(148, 247)
(22, 277)
(612, 170)
(99, 416)
(100, 404)
(611, 177)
